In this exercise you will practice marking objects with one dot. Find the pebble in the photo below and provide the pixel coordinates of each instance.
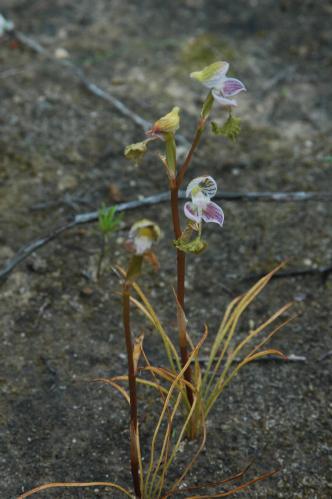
(67, 182)
(86, 291)
(61, 53)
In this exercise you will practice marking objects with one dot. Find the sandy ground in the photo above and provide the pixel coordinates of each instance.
(62, 153)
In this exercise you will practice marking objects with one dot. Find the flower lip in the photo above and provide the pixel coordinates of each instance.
(210, 212)
(143, 234)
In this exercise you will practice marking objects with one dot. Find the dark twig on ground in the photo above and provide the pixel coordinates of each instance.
(323, 272)
(90, 86)
(290, 358)
(84, 218)
(325, 356)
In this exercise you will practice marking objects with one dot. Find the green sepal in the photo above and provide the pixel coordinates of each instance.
(195, 246)
(170, 154)
(135, 268)
(230, 129)
(136, 152)
(207, 106)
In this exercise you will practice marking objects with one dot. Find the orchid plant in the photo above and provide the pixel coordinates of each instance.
(185, 385)
(199, 209)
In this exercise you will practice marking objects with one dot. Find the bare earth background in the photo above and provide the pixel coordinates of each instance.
(61, 152)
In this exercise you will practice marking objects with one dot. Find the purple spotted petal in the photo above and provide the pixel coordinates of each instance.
(232, 86)
(191, 212)
(222, 100)
(213, 213)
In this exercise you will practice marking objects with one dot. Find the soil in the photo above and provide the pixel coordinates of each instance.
(62, 153)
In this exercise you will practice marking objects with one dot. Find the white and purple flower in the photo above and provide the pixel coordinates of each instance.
(201, 190)
(214, 77)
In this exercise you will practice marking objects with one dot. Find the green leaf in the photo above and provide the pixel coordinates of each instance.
(230, 129)
(195, 246)
(108, 220)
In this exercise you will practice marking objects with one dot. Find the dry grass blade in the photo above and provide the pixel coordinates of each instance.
(223, 380)
(120, 389)
(151, 315)
(53, 485)
(238, 488)
(192, 462)
(168, 376)
(176, 381)
(232, 478)
(259, 355)
(124, 377)
(228, 327)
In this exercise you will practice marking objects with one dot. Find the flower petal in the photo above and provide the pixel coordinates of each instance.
(205, 185)
(213, 213)
(232, 86)
(213, 75)
(191, 211)
(222, 100)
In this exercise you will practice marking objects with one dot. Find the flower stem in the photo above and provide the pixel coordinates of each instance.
(134, 458)
(185, 165)
(101, 257)
(180, 255)
(181, 269)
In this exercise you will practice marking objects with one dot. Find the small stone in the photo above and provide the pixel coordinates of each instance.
(86, 291)
(6, 252)
(37, 264)
(300, 297)
(67, 182)
(61, 53)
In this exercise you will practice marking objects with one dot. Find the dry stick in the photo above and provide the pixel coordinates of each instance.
(91, 87)
(134, 460)
(84, 218)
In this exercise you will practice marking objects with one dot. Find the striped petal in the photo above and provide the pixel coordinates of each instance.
(202, 185)
(232, 86)
(213, 75)
(213, 213)
(192, 212)
(222, 100)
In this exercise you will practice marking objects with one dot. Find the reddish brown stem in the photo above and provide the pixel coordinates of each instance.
(181, 268)
(185, 165)
(132, 391)
(180, 255)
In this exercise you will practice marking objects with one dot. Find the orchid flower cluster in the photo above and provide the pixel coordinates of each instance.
(184, 386)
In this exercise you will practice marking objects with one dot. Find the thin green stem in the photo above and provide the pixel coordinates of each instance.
(134, 456)
(101, 256)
